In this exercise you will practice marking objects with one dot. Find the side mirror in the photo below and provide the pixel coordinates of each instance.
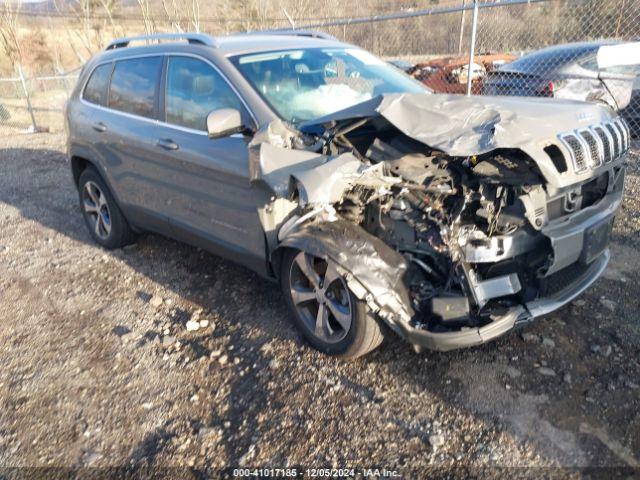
(224, 122)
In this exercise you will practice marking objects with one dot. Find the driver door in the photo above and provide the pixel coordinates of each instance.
(206, 190)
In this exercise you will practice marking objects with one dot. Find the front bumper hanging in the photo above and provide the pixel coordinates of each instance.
(515, 316)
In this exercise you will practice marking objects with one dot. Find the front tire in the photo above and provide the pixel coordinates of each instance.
(326, 312)
(105, 222)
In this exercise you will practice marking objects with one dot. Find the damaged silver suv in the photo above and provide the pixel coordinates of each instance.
(449, 219)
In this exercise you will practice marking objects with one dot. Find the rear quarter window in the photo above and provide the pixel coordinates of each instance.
(134, 86)
(96, 89)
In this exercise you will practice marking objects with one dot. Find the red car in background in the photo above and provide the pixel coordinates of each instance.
(449, 74)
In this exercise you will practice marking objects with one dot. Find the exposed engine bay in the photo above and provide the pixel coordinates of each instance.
(431, 208)
(457, 240)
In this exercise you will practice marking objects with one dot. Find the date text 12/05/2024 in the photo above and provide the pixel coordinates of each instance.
(316, 473)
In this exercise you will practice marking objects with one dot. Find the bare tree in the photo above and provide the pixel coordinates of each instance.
(147, 17)
(195, 15)
(295, 9)
(87, 29)
(174, 15)
(82, 12)
(181, 19)
(226, 9)
(110, 6)
(9, 40)
(254, 13)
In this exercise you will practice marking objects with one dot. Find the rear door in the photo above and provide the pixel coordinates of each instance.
(205, 188)
(87, 118)
(129, 128)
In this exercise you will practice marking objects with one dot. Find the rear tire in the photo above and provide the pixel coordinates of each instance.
(104, 219)
(326, 312)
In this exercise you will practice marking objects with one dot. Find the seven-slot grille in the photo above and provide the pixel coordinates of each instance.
(577, 150)
(598, 144)
(606, 143)
(616, 139)
(627, 133)
(593, 148)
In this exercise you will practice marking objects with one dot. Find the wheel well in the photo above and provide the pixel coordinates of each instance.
(78, 165)
(276, 260)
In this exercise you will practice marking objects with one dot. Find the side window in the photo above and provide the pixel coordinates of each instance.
(134, 84)
(96, 89)
(195, 89)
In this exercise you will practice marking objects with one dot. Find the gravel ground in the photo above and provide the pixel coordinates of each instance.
(98, 368)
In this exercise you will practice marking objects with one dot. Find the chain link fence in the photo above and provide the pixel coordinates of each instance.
(519, 47)
(32, 104)
(573, 49)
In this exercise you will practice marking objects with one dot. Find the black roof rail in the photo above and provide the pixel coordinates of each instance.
(193, 38)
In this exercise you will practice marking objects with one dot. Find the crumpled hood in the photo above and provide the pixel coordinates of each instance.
(458, 126)
(463, 126)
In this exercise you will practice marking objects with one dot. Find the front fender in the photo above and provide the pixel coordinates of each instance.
(373, 270)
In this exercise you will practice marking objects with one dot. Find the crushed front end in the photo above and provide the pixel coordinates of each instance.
(453, 237)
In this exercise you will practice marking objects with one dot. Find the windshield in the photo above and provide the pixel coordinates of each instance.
(305, 84)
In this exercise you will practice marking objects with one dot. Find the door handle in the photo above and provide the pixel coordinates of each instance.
(99, 127)
(167, 144)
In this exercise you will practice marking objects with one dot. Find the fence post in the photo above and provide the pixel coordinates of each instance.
(474, 26)
(26, 95)
(63, 77)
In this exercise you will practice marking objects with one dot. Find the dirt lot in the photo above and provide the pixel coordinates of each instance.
(99, 370)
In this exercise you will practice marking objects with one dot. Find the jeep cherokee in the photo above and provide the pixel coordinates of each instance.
(372, 201)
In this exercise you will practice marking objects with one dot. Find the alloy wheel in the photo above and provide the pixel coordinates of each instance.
(96, 209)
(321, 297)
